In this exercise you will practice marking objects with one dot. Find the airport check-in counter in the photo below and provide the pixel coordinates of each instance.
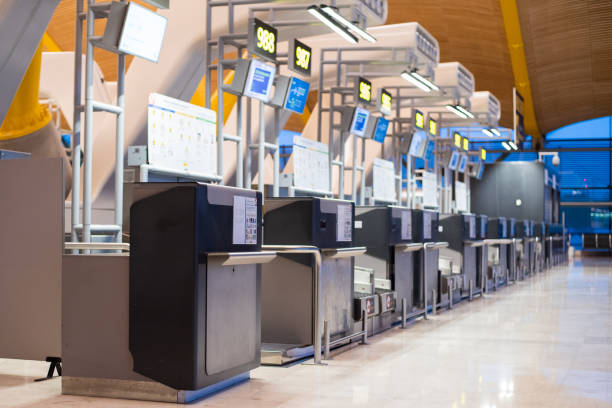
(307, 291)
(428, 259)
(195, 282)
(499, 253)
(460, 231)
(558, 246)
(525, 251)
(482, 251)
(385, 275)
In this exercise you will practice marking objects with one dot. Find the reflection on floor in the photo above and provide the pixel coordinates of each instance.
(546, 342)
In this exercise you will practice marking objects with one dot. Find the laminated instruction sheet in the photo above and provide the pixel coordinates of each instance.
(461, 196)
(383, 180)
(244, 230)
(181, 136)
(345, 223)
(430, 188)
(406, 225)
(310, 164)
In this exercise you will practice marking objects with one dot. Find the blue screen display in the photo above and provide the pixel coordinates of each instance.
(418, 144)
(452, 165)
(260, 81)
(463, 163)
(360, 120)
(381, 130)
(296, 95)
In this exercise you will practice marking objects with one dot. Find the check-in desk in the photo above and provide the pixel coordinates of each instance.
(524, 248)
(307, 291)
(386, 274)
(460, 231)
(499, 254)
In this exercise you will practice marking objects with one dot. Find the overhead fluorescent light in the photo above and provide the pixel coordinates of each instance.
(333, 13)
(406, 75)
(506, 146)
(513, 145)
(333, 24)
(487, 132)
(424, 80)
(453, 108)
(465, 111)
(496, 132)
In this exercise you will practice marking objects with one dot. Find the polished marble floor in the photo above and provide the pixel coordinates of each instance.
(545, 342)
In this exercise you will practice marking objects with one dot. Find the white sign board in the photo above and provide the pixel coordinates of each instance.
(244, 230)
(344, 227)
(430, 187)
(383, 180)
(181, 136)
(461, 196)
(310, 164)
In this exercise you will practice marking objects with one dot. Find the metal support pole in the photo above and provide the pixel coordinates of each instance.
(87, 176)
(404, 310)
(261, 149)
(326, 337)
(276, 176)
(220, 113)
(354, 171)
(249, 174)
(119, 147)
(365, 327)
(450, 297)
(471, 288)
(363, 170)
(239, 146)
(433, 300)
(434, 303)
(76, 123)
(341, 167)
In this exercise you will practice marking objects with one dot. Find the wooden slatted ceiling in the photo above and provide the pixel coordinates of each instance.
(471, 32)
(61, 30)
(568, 46)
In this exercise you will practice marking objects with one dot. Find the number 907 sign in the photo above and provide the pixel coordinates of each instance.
(262, 40)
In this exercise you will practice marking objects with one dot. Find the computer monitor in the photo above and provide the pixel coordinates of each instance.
(359, 122)
(462, 163)
(259, 80)
(453, 161)
(418, 144)
(143, 32)
(297, 93)
(382, 126)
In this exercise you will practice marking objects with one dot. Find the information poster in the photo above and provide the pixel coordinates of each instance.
(460, 196)
(244, 230)
(344, 229)
(181, 136)
(406, 225)
(427, 224)
(430, 185)
(310, 164)
(383, 180)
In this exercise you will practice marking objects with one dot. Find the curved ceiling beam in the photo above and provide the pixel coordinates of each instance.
(516, 48)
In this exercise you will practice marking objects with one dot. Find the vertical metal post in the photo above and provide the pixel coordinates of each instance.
(471, 288)
(317, 310)
(239, 146)
(424, 275)
(207, 59)
(120, 126)
(220, 113)
(363, 169)
(249, 174)
(450, 297)
(342, 161)
(434, 302)
(76, 122)
(276, 175)
(354, 172)
(404, 310)
(364, 319)
(261, 150)
(326, 336)
(87, 176)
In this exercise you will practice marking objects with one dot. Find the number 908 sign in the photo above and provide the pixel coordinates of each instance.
(262, 40)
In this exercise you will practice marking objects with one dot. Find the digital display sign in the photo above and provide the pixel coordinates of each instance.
(466, 144)
(360, 120)
(300, 59)
(457, 139)
(454, 160)
(263, 39)
(385, 102)
(297, 93)
(433, 127)
(483, 154)
(419, 119)
(259, 80)
(143, 32)
(463, 163)
(364, 90)
(382, 126)
(418, 144)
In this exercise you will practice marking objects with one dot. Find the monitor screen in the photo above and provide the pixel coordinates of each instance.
(454, 160)
(418, 144)
(480, 171)
(382, 126)
(360, 120)
(364, 90)
(419, 119)
(385, 102)
(297, 95)
(143, 32)
(462, 163)
(259, 81)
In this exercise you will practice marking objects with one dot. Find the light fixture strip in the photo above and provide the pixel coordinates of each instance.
(456, 111)
(506, 146)
(406, 75)
(487, 132)
(333, 13)
(465, 111)
(334, 25)
(496, 132)
(425, 81)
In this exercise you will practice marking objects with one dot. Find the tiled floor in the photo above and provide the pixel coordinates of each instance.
(546, 342)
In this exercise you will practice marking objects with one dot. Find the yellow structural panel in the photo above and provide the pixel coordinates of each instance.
(25, 114)
(229, 100)
(49, 43)
(514, 37)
